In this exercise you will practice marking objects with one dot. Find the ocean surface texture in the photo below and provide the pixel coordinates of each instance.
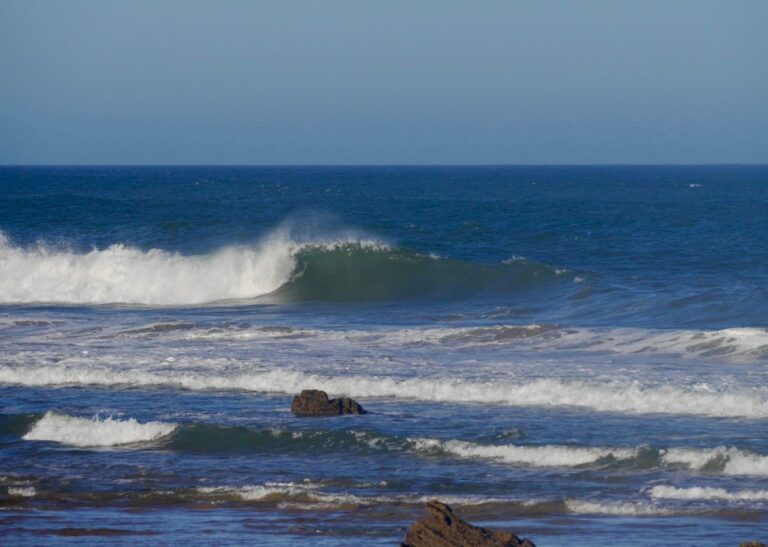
(577, 354)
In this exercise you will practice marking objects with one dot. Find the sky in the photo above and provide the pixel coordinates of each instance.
(383, 82)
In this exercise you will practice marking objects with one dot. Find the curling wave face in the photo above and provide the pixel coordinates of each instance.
(341, 267)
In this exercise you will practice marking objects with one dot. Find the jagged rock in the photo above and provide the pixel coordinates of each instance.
(313, 402)
(752, 544)
(442, 528)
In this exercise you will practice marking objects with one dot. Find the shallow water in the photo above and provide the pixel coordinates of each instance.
(576, 354)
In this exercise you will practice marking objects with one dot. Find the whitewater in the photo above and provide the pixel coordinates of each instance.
(128, 275)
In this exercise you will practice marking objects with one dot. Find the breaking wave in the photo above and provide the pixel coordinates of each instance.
(605, 396)
(95, 432)
(707, 493)
(341, 267)
(632, 509)
(222, 439)
(535, 456)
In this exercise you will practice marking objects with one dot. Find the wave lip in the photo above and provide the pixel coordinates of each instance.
(95, 432)
(707, 493)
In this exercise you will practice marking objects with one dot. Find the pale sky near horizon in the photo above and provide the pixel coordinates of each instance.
(384, 82)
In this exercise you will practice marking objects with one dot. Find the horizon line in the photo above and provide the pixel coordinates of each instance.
(338, 165)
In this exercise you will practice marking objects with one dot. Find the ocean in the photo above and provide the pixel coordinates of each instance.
(576, 354)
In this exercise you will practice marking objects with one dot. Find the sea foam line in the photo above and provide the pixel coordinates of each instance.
(85, 432)
(621, 397)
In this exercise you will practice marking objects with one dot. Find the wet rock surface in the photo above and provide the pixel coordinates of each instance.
(313, 402)
(440, 527)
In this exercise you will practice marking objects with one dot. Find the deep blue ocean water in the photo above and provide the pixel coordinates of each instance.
(577, 354)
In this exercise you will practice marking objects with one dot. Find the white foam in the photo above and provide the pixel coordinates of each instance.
(310, 494)
(734, 344)
(616, 508)
(96, 431)
(122, 274)
(622, 397)
(306, 493)
(22, 491)
(732, 460)
(536, 456)
(707, 493)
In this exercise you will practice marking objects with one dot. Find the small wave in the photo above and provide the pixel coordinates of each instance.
(617, 508)
(301, 494)
(536, 456)
(312, 495)
(95, 432)
(707, 493)
(727, 461)
(730, 461)
(22, 491)
(735, 344)
(621, 397)
(744, 342)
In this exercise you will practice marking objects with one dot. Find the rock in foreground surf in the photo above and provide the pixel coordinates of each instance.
(442, 528)
(313, 402)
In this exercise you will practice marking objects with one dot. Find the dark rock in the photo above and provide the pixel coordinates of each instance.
(442, 528)
(313, 402)
(751, 544)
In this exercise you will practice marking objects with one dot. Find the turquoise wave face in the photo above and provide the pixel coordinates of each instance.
(352, 273)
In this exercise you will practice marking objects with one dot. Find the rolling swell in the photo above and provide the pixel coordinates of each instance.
(281, 267)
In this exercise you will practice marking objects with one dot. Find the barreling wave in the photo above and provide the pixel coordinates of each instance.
(95, 432)
(341, 267)
(605, 396)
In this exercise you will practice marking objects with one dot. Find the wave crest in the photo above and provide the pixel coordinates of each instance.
(84, 432)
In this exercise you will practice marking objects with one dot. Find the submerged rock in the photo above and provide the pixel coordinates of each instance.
(442, 528)
(752, 544)
(313, 402)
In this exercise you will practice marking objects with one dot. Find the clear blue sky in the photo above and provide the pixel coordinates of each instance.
(360, 82)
